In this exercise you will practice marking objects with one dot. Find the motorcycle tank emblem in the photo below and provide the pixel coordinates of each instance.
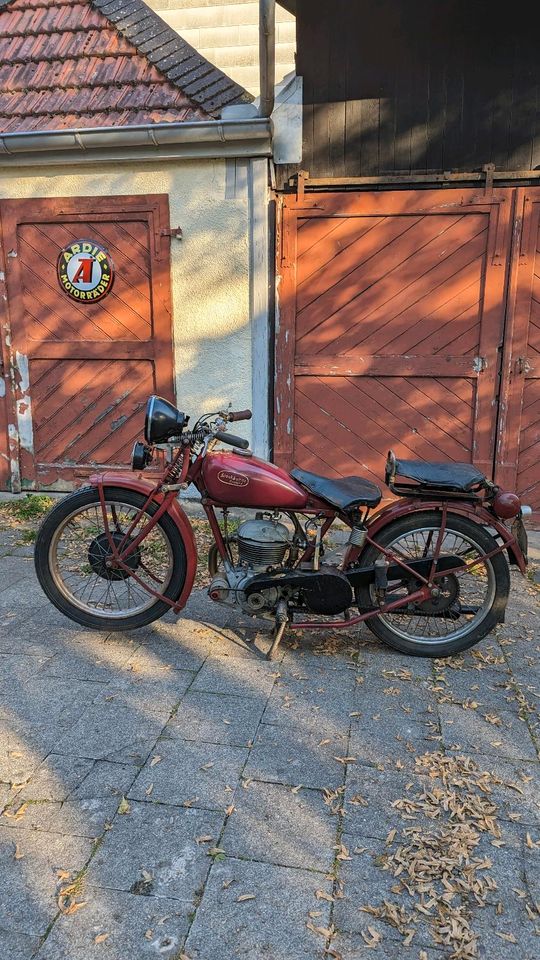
(233, 479)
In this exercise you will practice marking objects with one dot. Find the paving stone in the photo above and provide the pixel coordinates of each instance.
(464, 731)
(237, 676)
(147, 694)
(165, 645)
(493, 931)
(295, 757)
(273, 824)
(365, 883)
(531, 862)
(137, 926)
(24, 744)
(37, 699)
(313, 699)
(56, 777)
(28, 886)
(518, 792)
(15, 668)
(106, 780)
(376, 657)
(77, 818)
(106, 731)
(369, 796)
(492, 690)
(204, 773)
(350, 946)
(17, 945)
(6, 795)
(273, 925)
(387, 739)
(152, 850)
(216, 718)
(92, 657)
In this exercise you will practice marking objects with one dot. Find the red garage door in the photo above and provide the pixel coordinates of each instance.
(83, 363)
(392, 318)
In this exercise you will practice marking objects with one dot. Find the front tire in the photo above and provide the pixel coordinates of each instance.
(482, 592)
(71, 550)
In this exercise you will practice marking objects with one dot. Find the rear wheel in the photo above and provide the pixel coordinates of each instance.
(469, 604)
(72, 555)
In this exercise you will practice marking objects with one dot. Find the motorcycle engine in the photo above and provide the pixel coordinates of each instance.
(262, 545)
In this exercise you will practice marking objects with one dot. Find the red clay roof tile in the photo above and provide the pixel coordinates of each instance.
(93, 63)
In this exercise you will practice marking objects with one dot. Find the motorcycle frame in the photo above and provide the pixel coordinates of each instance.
(165, 496)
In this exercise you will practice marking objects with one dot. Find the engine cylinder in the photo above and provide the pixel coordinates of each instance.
(262, 543)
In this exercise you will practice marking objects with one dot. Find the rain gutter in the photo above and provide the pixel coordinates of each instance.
(267, 55)
(205, 139)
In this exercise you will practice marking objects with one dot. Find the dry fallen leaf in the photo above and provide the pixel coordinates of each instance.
(245, 896)
(123, 806)
(73, 907)
(509, 937)
(323, 895)
(155, 760)
(18, 855)
(101, 937)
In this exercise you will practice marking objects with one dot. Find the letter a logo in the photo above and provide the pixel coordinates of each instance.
(84, 273)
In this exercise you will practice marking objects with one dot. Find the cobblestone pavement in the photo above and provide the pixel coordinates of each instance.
(169, 793)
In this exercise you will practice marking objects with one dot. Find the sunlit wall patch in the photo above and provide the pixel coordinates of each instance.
(85, 271)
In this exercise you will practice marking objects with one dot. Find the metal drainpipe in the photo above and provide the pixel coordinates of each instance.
(267, 55)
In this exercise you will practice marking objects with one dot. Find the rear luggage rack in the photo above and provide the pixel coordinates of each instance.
(444, 481)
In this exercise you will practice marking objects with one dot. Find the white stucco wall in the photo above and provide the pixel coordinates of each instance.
(210, 267)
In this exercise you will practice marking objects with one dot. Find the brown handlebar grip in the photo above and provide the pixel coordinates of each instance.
(239, 415)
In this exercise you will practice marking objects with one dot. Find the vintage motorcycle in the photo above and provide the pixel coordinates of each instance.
(429, 573)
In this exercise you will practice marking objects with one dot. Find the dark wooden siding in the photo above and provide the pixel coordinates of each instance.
(418, 86)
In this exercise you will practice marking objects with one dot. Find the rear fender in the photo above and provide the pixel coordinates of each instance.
(474, 512)
(145, 487)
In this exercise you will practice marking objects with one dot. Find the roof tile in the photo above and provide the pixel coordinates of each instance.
(92, 63)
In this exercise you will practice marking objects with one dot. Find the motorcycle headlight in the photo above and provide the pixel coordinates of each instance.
(163, 421)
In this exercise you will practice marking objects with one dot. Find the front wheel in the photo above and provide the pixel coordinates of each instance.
(470, 603)
(72, 552)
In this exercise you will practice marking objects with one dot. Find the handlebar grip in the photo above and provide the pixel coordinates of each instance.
(232, 440)
(239, 415)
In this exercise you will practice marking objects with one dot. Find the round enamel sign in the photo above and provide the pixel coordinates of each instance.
(85, 271)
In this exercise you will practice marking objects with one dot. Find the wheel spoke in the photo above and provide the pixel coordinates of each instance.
(464, 597)
(79, 555)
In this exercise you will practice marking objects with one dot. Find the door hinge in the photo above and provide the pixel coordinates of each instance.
(479, 364)
(523, 365)
(172, 232)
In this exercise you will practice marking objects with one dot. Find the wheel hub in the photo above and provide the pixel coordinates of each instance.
(445, 593)
(100, 556)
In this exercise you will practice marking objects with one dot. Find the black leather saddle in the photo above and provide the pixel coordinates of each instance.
(458, 477)
(344, 494)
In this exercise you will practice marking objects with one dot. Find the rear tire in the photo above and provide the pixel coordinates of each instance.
(497, 590)
(58, 591)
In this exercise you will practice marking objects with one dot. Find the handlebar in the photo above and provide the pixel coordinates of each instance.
(236, 415)
(232, 440)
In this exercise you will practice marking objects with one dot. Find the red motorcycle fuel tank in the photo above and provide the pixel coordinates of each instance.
(249, 482)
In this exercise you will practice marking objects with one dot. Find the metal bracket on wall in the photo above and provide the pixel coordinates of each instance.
(489, 170)
(299, 181)
(175, 232)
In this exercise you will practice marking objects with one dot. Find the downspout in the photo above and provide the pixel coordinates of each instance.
(267, 55)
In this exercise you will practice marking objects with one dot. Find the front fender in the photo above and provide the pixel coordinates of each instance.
(129, 481)
(474, 512)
